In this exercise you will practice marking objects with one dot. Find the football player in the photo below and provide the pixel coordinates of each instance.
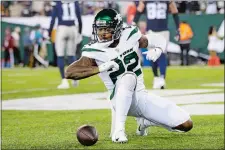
(113, 55)
(67, 35)
(157, 23)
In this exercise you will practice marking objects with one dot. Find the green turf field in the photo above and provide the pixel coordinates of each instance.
(56, 130)
(21, 83)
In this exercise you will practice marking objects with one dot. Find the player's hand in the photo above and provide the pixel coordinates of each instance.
(79, 38)
(153, 54)
(108, 65)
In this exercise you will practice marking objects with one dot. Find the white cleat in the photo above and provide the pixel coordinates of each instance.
(141, 129)
(64, 84)
(158, 83)
(119, 137)
(75, 83)
(162, 83)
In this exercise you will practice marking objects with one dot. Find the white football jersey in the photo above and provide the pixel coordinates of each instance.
(124, 54)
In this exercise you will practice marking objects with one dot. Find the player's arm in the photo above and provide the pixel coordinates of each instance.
(173, 10)
(77, 8)
(86, 67)
(153, 41)
(53, 17)
(156, 45)
(83, 68)
(140, 8)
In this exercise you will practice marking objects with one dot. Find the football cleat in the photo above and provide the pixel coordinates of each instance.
(64, 84)
(159, 83)
(75, 83)
(119, 137)
(141, 129)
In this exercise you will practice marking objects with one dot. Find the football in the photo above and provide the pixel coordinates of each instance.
(87, 135)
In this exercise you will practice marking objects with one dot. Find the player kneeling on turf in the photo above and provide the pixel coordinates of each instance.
(113, 55)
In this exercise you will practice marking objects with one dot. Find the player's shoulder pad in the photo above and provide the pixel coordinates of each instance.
(94, 52)
(131, 32)
(91, 47)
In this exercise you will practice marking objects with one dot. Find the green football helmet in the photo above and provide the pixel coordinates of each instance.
(108, 18)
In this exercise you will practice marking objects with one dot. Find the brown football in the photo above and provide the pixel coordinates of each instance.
(87, 135)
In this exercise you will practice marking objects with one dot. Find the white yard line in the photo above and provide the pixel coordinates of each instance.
(26, 90)
(214, 84)
(94, 101)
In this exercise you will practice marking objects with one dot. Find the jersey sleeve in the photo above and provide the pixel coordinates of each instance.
(133, 35)
(93, 53)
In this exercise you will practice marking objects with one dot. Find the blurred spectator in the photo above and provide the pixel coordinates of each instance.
(186, 35)
(44, 8)
(38, 7)
(5, 8)
(43, 50)
(220, 32)
(214, 47)
(192, 7)
(211, 7)
(27, 11)
(37, 39)
(16, 9)
(220, 5)
(27, 46)
(16, 50)
(47, 9)
(181, 6)
(8, 44)
(131, 11)
(93, 7)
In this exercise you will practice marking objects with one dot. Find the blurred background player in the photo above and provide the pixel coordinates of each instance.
(37, 39)
(186, 35)
(67, 35)
(8, 44)
(157, 23)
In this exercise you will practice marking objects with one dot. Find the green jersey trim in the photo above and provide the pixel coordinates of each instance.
(91, 50)
(135, 30)
(113, 93)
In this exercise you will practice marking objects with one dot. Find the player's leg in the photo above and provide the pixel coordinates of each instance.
(181, 54)
(60, 44)
(162, 67)
(187, 51)
(121, 102)
(163, 61)
(154, 66)
(71, 49)
(162, 112)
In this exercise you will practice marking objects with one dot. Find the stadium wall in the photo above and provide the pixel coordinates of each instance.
(199, 23)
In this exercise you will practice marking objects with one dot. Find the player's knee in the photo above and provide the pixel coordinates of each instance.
(129, 79)
(186, 126)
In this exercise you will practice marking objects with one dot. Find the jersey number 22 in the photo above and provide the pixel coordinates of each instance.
(128, 63)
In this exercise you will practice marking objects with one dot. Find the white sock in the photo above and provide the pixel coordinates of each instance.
(123, 103)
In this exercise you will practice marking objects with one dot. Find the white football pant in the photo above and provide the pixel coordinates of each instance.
(143, 104)
(66, 37)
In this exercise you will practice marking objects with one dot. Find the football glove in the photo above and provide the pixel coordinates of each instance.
(108, 65)
(153, 53)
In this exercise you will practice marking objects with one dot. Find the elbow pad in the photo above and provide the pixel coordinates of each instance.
(156, 41)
